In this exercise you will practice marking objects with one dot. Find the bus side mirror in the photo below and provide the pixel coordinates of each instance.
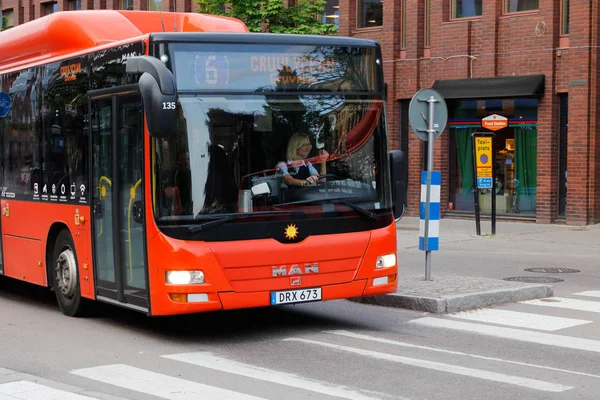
(398, 174)
(158, 89)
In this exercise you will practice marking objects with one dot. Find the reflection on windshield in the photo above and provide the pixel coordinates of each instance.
(234, 154)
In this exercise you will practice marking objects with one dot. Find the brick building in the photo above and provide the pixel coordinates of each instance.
(526, 60)
(533, 61)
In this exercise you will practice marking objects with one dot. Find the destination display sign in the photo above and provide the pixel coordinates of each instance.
(258, 68)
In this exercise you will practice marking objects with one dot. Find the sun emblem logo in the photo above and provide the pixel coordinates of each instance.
(291, 231)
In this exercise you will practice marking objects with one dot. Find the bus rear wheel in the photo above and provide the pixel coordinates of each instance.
(66, 276)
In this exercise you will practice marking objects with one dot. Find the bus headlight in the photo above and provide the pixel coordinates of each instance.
(184, 277)
(386, 261)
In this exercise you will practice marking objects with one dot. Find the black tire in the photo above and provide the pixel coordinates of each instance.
(66, 276)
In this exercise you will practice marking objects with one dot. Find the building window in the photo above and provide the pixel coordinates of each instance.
(73, 5)
(403, 27)
(427, 23)
(154, 5)
(8, 19)
(563, 124)
(466, 8)
(564, 18)
(370, 13)
(127, 4)
(521, 5)
(49, 8)
(515, 154)
(332, 13)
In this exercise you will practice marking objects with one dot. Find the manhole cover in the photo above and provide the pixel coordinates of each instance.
(534, 279)
(553, 270)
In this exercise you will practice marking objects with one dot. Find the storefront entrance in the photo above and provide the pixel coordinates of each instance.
(515, 153)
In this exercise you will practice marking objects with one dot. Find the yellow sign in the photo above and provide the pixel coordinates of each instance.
(291, 232)
(483, 156)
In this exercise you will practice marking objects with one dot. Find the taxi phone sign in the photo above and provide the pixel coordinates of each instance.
(483, 161)
(484, 174)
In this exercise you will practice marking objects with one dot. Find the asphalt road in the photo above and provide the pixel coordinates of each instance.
(331, 350)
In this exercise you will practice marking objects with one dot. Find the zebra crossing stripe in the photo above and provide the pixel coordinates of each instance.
(570, 304)
(158, 385)
(25, 390)
(589, 293)
(448, 368)
(549, 339)
(208, 360)
(519, 319)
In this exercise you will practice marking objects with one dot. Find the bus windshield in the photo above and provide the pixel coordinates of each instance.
(255, 153)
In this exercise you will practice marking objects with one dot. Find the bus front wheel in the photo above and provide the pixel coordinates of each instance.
(66, 276)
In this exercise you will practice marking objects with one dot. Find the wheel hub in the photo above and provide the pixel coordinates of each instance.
(66, 273)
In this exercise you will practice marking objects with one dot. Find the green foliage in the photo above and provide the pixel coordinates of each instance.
(4, 23)
(272, 15)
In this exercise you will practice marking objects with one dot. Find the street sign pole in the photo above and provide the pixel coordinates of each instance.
(428, 115)
(430, 134)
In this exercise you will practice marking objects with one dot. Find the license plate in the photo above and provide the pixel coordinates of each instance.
(295, 296)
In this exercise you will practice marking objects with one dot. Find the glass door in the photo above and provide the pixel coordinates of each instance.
(118, 203)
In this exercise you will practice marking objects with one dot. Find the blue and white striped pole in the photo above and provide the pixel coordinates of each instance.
(429, 228)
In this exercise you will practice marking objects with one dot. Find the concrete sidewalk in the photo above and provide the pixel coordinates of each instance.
(522, 261)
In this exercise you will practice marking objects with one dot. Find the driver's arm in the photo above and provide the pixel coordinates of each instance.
(290, 181)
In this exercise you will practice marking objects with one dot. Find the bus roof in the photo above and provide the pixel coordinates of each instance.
(68, 32)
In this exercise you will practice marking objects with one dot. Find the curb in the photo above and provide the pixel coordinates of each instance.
(458, 302)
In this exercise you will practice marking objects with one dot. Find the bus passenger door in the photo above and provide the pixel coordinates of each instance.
(117, 201)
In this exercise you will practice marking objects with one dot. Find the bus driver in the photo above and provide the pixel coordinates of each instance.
(297, 172)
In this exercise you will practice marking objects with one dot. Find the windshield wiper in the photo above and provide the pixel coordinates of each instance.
(220, 220)
(338, 200)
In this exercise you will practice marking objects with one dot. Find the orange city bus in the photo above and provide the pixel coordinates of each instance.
(175, 163)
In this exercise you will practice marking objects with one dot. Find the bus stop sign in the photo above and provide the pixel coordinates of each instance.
(4, 104)
(418, 112)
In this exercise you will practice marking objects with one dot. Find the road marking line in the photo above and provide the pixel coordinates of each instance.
(519, 319)
(158, 385)
(208, 360)
(442, 367)
(590, 293)
(571, 304)
(25, 390)
(458, 353)
(550, 339)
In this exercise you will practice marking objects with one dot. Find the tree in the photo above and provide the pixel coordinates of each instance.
(4, 23)
(272, 15)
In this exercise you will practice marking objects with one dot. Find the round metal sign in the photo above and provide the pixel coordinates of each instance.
(5, 101)
(418, 113)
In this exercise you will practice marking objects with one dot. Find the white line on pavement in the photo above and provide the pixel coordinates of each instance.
(449, 368)
(207, 360)
(550, 339)
(158, 385)
(571, 304)
(519, 319)
(458, 353)
(590, 293)
(26, 390)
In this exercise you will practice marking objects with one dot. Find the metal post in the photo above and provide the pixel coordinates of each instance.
(430, 140)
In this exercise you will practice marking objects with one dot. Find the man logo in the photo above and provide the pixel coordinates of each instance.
(295, 269)
(296, 281)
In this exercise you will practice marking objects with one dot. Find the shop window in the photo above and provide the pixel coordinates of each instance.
(564, 18)
(520, 5)
(515, 153)
(370, 13)
(332, 13)
(154, 5)
(466, 8)
(126, 4)
(7, 19)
